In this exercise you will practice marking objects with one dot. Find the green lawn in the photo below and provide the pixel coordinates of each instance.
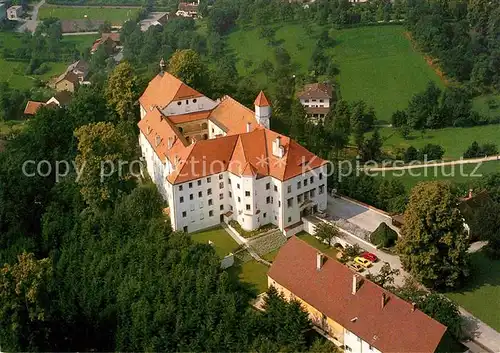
(481, 297)
(455, 140)
(13, 72)
(377, 64)
(482, 105)
(114, 15)
(252, 273)
(330, 251)
(460, 174)
(270, 255)
(222, 242)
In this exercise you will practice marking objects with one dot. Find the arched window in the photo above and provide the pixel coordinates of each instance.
(204, 126)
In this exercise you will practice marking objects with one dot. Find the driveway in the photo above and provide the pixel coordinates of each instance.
(30, 25)
(356, 213)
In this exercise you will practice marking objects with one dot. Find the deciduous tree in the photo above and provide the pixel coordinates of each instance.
(122, 91)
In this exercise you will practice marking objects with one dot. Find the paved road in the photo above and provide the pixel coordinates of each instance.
(356, 213)
(434, 164)
(79, 33)
(30, 25)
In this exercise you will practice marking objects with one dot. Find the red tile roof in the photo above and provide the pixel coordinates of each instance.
(261, 100)
(32, 107)
(186, 118)
(165, 88)
(316, 91)
(232, 116)
(395, 327)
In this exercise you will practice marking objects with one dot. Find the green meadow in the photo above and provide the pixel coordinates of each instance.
(114, 15)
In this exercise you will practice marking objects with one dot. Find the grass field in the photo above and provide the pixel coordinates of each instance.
(330, 251)
(455, 141)
(253, 273)
(481, 105)
(13, 72)
(467, 173)
(377, 64)
(481, 297)
(114, 15)
(222, 242)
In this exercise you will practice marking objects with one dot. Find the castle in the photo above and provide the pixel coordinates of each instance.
(217, 161)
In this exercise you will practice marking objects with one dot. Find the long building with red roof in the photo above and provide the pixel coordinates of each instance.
(217, 160)
(355, 312)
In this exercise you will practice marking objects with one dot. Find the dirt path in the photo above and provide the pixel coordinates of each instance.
(92, 6)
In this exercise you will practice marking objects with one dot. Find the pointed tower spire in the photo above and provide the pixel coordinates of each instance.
(262, 110)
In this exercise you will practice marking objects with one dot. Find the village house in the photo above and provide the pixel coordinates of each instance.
(188, 9)
(110, 42)
(73, 77)
(357, 314)
(14, 13)
(216, 161)
(317, 99)
(60, 99)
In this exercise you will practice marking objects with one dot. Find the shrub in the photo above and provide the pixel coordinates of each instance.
(384, 236)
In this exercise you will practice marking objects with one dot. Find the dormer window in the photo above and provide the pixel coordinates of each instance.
(157, 140)
(179, 103)
(195, 100)
(148, 129)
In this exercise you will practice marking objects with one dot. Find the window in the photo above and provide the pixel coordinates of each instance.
(347, 348)
(321, 100)
(210, 213)
(268, 186)
(221, 196)
(359, 339)
(247, 207)
(191, 196)
(190, 185)
(181, 199)
(210, 202)
(221, 207)
(230, 194)
(305, 182)
(180, 187)
(221, 185)
(229, 181)
(320, 176)
(313, 100)
(221, 176)
(279, 203)
(306, 100)
(230, 207)
(289, 202)
(200, 194)
(184, 214)
(311, 179)
(247, 193)
(289, 189)
(213, 131)
(209, 180)
(312, 192)
(289, 219)
(370, 348)
(265, 215)
(299, 185)
(321, 189)
(239, 199)
(202, 216)
(199, 182)
(209, 191)
(238, 186)
(268, 199)
(299, 198)
(179, 103)
(275, 188)
(195, 100)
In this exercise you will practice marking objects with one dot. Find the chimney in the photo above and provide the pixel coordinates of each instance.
(162, 66)
(170, 142)
(249, 127)
(320, 258)
(413, 306)
(278, 149)
(385, 299)
(356, 283)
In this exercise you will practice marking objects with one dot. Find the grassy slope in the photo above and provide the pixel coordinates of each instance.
(455, 141)
(379, 66)
(13, 71)
(481, 296)
(116, 16)
(460, 174)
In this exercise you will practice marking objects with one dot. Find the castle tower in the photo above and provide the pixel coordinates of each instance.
(262, 110)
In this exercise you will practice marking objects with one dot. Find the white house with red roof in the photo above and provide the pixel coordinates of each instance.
(216, 161)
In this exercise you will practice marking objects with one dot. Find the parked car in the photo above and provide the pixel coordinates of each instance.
(355, 267)
(362, 261)
(369, 256)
